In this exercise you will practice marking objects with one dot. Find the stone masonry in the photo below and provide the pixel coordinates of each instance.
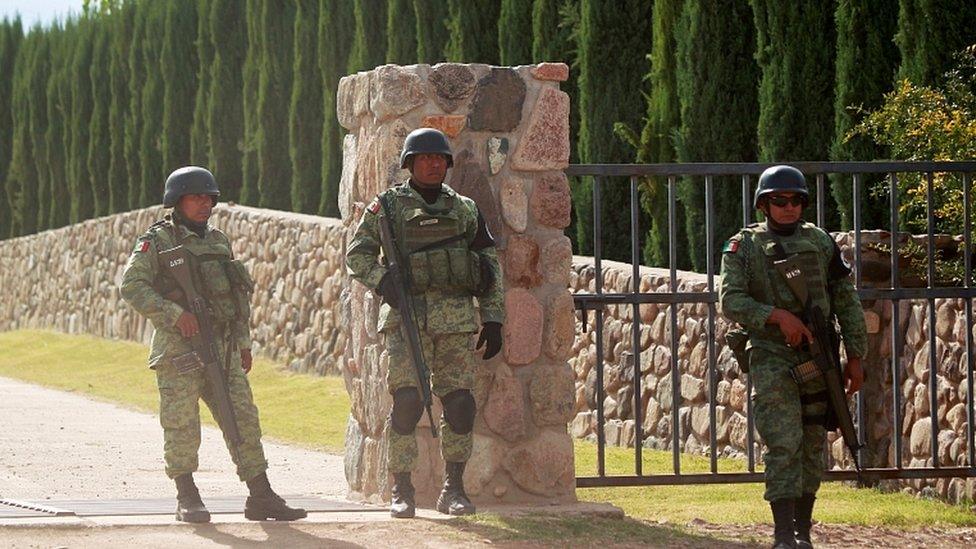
(67, 280)
(509, 132)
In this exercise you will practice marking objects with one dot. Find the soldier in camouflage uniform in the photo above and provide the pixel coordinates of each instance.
(225, 284)
(790, 417)
(450, 255)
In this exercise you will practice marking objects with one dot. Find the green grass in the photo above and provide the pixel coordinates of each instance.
(302, 409)
(312, 411)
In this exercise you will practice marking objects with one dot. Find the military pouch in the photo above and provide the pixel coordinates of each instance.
(419, 273)
(738, 340)
(807, 371)
(187, 363)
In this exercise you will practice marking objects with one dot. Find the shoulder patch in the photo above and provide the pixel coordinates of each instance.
(142, 246)
(374, 207)
(731, 246)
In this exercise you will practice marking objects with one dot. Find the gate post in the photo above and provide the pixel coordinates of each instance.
(509, 131)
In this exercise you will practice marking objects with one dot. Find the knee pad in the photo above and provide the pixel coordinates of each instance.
(407, 409)
(459, 411)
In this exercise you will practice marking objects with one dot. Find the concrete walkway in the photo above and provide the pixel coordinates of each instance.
(56, 445)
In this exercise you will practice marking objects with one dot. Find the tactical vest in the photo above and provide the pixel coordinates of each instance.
(767, 284)
(432, 241)
(221, 280)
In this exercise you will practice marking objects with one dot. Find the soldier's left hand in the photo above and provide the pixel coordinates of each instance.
(246, 360)
(490, 338)
(854, 375)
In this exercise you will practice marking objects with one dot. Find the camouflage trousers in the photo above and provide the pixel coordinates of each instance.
(451, 363)
(794, 451)
(179, 414)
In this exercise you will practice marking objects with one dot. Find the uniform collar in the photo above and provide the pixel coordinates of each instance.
(182, 232)
(445, 191)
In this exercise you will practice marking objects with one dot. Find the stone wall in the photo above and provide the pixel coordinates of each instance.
(67, 279)
(730, 392)
(509, 132)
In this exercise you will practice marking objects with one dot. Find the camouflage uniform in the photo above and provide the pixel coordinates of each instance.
(442, 282)
(786, 414)
(227, 287)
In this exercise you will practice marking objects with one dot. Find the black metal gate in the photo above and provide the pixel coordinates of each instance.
(602, 175)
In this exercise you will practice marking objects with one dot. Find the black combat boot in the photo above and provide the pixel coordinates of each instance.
(803, 520)
(189, 506)
(783, 537)
(453, 500)
(264, 504)
(402, 503)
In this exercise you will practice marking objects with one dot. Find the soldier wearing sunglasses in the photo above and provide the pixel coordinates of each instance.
(790, 415)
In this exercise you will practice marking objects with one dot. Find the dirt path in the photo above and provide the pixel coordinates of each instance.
(59, 446)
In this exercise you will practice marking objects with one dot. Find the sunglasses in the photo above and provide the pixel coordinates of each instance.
(782, 201)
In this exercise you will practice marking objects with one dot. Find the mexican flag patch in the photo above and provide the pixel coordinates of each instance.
(731, 246)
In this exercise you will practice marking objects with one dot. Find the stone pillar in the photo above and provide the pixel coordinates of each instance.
(509, 131)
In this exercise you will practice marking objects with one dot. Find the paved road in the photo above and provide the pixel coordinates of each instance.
(57, 445)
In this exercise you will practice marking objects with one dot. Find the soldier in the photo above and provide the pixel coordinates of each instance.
(450, 255)
(790, 417)
(225, 284)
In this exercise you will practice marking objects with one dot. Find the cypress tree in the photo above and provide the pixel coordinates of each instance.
(178, 63)
(79, 178)
(133, 115)
(335, 19)
(200, 130)
(228, 33)
(663, 119)
(151, 115)
(121, 41)
(252, 66)
(866, 58)
(274, 91)
(929, 33)
(554, 24)
(39, 76)
(98, 153)
(305, 128)
(612, 47)
(56, 136)
(401, 32)
(473, 28)
(515, 32)
(369, 43)
(717, 78)
(432, 33)
(795, 51)
(11, 35)
(20, 183)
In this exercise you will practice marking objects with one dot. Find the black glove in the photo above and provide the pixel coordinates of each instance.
(491, 334)
(387, 291)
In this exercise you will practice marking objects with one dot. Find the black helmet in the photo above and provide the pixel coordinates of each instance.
(189, 180)
(426, 140)
(780, 179)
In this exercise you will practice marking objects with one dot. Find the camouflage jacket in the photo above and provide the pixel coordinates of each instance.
(442, 254)
(751, 287)
(220, 279)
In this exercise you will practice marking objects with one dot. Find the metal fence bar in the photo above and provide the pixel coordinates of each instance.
(750, 422)
(933, 365)
(712, 377)
(601, 436)
(675, 378)
(858, 283)
(896, 410)
(756, 168)
(635, 324)
(968, 270)
(821, 201)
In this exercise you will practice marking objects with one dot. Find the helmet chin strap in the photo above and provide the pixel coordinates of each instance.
(782, 229)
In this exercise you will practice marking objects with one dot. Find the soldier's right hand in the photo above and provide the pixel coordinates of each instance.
(187, 324)
(387, 291)
(793, 329)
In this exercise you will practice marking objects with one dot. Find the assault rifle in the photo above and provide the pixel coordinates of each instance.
(205, 354)
(825, 350)
(408, 326)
